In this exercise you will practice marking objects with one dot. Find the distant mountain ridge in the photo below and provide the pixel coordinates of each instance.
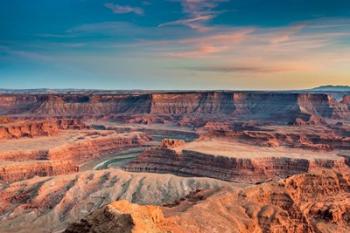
(332, 88)
(35, 91)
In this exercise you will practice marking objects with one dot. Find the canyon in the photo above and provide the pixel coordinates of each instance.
(145, 161)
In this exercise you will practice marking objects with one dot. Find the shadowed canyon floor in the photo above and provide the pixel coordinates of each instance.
(174, 162)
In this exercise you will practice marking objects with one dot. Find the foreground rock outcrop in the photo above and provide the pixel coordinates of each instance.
(312, 203)
(49, 204)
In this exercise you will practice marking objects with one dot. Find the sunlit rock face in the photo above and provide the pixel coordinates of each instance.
(49, 204)
(36, 128)
(317, 202)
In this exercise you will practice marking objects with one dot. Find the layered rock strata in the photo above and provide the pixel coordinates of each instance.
(13, 171)
(37, 128)
(250, 170)
(65, 157)
(271, 106)
(325, 140)
(87, 149)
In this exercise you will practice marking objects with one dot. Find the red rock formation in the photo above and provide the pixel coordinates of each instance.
(250, 134)
(171, 143)
(24, 155)
(18, 129)
(88, 146)
(245, 170)
(87, 149)
(268, 106)
(13, 171)
(346, 100)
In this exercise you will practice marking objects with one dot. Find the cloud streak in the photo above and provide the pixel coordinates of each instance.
(198, 13)
(119, 9)
(238, 68)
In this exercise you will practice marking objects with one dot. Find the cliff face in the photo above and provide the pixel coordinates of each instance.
(246, 170)
(87, 149)
(192, 103)
(312, 203)
(63, 158)
(321, 141)
(37, 128)
(284, 107)
(93, 105)
(14, 171)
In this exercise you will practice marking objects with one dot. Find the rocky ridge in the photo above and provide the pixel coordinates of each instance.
(313, 203)
(49, 204)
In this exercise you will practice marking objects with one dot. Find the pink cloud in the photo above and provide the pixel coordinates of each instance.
(200, 51)
(286, 34)
(211, 44)
(252, 67)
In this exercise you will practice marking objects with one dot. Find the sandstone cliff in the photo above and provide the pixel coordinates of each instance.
(63, 157)
(89, 148)
(13, 171)
(250, 170)
(29, 128)
(273, 106)
(324, 139)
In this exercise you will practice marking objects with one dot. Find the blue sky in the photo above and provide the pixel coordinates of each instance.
(174, 44)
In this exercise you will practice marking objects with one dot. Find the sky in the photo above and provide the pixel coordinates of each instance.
(174, 44)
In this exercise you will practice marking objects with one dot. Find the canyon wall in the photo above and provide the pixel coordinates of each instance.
(250, 134)
(38, 128)
(246, 170)
(85, 150)
(10, 172)
(285, 107)
(65, 158)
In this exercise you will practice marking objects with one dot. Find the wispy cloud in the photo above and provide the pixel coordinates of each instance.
(242, 68)
(198, 13)
(211, 44)
(194, 23)
(285, 35)
(119, 9)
